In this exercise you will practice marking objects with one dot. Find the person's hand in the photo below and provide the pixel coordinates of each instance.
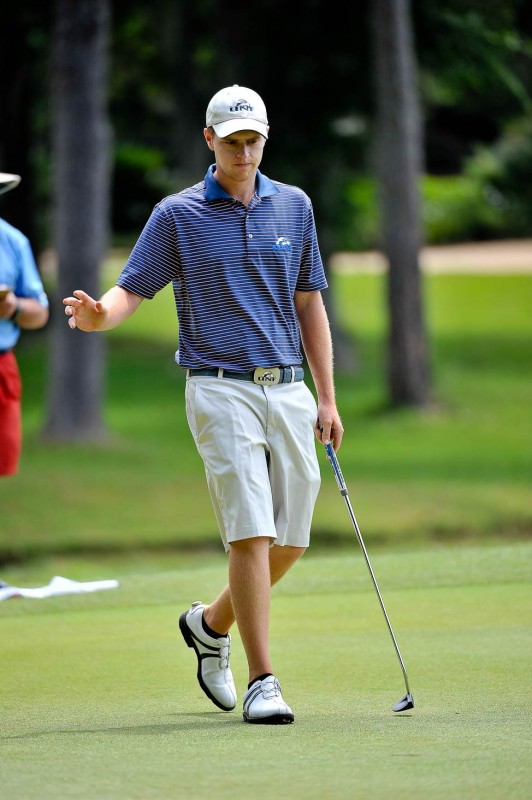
(85, 313)
(8, 305)
(329, 426)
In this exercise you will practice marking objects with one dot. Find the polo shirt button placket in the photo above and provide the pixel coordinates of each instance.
(249, 235)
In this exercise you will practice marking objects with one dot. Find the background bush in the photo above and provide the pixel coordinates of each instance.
(490, 199)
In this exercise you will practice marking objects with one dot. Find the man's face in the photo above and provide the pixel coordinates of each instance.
(237, 156)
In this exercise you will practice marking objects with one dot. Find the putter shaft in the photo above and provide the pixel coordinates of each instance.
(331, 455)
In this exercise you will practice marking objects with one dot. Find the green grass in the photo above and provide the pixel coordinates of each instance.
(460, 470)
(99, 697)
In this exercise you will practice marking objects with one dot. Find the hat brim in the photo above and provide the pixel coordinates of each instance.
(8, 181)
(223, 129)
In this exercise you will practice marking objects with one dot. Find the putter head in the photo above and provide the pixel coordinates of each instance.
(405, 703)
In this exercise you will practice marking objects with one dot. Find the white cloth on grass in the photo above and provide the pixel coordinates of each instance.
(57, 586)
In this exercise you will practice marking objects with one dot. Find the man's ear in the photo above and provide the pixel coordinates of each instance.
(209, 138)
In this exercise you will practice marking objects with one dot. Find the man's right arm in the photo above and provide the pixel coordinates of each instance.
(88, 314)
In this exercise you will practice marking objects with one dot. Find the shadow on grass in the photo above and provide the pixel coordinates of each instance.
(194, 722)
(185, 722)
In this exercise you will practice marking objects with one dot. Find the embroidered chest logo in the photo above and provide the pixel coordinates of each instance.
(282, 245)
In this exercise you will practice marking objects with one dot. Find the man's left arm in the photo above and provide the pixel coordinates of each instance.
(317, 343)
(26, 312)
(26, 305)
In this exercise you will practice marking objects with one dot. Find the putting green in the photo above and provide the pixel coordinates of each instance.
(99, 697)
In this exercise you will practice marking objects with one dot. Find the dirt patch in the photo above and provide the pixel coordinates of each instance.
(492, 258)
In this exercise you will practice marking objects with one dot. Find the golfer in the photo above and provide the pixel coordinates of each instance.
(243, 258)
(23, 305)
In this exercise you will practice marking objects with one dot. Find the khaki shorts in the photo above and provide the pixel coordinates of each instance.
(257, 445)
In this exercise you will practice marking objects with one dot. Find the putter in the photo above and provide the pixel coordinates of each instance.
(407, 701)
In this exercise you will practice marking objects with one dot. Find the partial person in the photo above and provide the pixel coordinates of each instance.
(242, 254)
(23, 306)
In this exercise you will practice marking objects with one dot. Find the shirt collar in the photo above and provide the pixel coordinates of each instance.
(213, 190)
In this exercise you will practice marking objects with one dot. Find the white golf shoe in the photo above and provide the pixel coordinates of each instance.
(264, 704)
(214, 674)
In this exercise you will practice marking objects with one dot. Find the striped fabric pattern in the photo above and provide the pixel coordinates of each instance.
(234, 271)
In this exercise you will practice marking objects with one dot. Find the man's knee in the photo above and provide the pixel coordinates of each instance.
(287, 552)
(254, 544)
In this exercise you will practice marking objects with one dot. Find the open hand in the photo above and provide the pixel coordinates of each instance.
(85, 313)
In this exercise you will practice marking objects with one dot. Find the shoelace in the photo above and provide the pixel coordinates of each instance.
(223, 658)
(271, 690)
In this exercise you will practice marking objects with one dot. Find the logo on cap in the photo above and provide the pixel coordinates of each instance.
(241, 105)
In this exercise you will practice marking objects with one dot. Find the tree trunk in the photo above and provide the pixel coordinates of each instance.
(81, 155)
(399, 160)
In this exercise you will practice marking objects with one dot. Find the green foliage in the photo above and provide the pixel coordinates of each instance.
(491, 199)
(361, 231)
(168, 58)
(481, 56)
(140, 179)
(505, 173)
(456, 209)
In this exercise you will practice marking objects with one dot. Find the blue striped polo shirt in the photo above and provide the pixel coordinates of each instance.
(234, 271)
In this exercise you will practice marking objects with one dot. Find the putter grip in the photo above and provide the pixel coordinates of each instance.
(331, 455)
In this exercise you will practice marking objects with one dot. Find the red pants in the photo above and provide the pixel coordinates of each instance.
(10, 417)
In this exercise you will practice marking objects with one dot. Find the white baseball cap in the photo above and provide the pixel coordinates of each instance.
(8, 181)
(236, 108)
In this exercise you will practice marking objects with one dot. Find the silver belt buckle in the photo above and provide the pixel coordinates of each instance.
(267, 376)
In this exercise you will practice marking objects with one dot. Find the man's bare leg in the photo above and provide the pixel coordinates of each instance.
(254, 567)
(249, 581)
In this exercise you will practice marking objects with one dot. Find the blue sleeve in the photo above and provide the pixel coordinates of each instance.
(311, 275)
(154, 260)
(28, 282)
